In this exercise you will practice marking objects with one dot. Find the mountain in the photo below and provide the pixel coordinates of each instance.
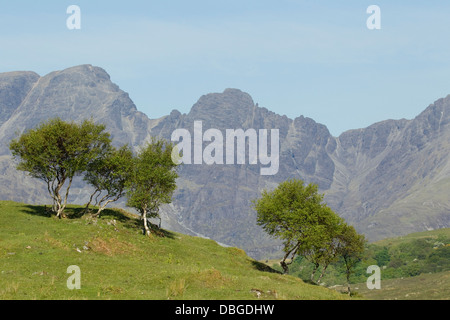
(394, 176)
(77, 93)
(388, 179)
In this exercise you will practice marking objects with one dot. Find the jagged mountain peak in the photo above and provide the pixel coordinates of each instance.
(18, 74)
(437, 114)
(14, 87)
(232, 107)
(388, 179)
(74, 94)
(87, 72)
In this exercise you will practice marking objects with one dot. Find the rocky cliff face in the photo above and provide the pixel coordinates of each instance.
(390, 173)
(388, 179)
(14, 87)
(76, 93)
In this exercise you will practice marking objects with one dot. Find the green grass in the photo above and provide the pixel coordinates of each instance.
(118, 262)
(433, 286)
(433, 234)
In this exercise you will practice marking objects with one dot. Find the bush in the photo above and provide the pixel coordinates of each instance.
(383, 257)
(396, 262)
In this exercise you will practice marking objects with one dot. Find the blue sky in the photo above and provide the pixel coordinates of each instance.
(312, 58)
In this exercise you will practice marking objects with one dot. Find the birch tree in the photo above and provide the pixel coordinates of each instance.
(351, 249)
(289, 213)
(109, 175)
(56, 151)
(153, 180)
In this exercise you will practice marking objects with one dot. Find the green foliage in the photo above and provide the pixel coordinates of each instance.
(292, 212)
(153, 179)
(382, 257)
(396, 262)
(324, 241)
(351, 250)
(109, 175)
(286, 211)
(56, 151)
(296, 214)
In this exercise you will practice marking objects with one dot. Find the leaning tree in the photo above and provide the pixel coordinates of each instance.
(292, 213)
(351, 247)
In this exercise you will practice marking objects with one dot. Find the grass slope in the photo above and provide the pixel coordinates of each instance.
(433, 286)
(433, 234)
(118, 262)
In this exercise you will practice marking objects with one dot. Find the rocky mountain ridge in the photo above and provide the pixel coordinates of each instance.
(388, 179)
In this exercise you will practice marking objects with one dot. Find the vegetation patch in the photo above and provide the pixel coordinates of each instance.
(111, 246)
(212, 278)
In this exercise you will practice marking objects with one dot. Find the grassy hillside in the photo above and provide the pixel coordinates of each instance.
(433, 234)
(118, 262)
(432, 286)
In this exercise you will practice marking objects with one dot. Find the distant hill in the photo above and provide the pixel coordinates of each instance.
(389, 179)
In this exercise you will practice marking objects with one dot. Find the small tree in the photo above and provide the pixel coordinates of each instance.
(109, 174)
(320, 243)
(153, 180)
(290, 213)
(56, 151)
(351, 248)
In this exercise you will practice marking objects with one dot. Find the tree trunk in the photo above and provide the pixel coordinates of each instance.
(283, 262)
(284, 266)
(102, 206)
(316, 266)
(61, 208)
(348, 283)
(144, 216)
(86, 210)
(348, 267)
(321, 275)
(60, 204)
(56, 196)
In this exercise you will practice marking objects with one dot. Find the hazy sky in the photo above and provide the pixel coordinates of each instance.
(313, 58)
